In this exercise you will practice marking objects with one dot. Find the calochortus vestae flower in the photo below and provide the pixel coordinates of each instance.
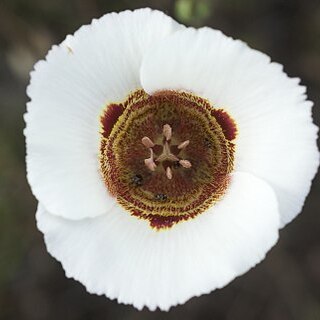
(165, 159)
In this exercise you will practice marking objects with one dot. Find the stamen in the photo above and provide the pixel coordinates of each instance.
(150, 162)
(167, 132)
(147, 142)
(183, 144)
(169, 173)
(166, 154)
(185, 163)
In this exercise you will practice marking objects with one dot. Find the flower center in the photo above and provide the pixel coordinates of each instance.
(166, 157)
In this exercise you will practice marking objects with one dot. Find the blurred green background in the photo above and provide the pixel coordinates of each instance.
(32, 284)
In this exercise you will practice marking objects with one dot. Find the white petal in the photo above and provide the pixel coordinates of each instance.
(276, 137)
(98, 65)
(122, 257)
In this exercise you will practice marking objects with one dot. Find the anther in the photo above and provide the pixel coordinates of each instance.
(150, 164)
(147, 142)
(167, 132)
(169, 173)
(185, 163)
(183, 144)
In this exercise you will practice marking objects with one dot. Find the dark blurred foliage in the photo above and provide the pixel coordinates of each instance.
(286, 285)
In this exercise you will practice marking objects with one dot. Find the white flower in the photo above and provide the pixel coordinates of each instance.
(164, 159)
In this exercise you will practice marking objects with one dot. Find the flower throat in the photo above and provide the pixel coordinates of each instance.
(166, 157)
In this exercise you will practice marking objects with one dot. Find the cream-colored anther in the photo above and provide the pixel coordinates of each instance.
(150, 164)
(147, 142)
(185, 163)
(167, 132)
(183, 144)
(169, 173)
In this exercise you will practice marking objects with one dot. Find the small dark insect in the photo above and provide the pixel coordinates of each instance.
(207, 143)
(161, 197)
(137, 180)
